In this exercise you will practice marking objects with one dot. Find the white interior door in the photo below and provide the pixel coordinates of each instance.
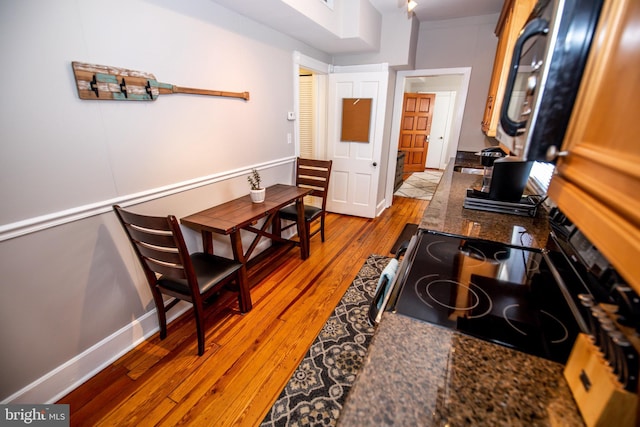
(355, 174)
(440, 130)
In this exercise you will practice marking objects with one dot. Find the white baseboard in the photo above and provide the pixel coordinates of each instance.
(68, 376)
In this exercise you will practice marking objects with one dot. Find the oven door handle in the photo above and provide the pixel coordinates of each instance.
(382, 296)
(382, 290)
(566, 294)
(377, 300)
(535, 27)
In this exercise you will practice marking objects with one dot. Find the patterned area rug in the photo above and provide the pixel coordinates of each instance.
(420, 185)
(319, 386)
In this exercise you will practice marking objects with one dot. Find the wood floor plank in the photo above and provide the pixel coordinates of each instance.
(218, 408)
(205, 395)
(152, 390)
(232, 345)
(249, 357)
(91, 393)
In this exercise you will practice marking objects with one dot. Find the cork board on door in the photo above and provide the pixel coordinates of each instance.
(356, 118)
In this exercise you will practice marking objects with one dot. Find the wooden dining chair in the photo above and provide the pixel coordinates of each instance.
(171, 270)
(312, 174)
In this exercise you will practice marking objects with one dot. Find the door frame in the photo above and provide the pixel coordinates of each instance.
(321, 71)
(456, 124)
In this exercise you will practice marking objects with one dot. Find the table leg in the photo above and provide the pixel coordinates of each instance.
(302, 230)
(207, 242)
(244, 297)
(276, 227)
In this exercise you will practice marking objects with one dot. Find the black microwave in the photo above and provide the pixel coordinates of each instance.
(546, 68)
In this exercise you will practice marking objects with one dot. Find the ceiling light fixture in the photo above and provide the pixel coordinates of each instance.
(411, 4)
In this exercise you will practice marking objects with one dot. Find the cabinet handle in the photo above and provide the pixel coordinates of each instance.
(553, 153)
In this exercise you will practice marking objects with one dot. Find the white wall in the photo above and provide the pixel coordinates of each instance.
(398, 41)
(72, 283)
(467, 42)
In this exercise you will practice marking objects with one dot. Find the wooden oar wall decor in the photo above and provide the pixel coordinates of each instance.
(101, 82)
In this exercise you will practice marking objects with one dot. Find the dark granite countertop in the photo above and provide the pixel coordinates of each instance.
(419, 374)
(446, 214)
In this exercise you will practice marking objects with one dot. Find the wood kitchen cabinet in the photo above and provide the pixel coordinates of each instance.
(598, 182)
(512, 18)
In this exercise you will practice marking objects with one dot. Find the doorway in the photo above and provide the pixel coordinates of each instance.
(452, 82)
(310, 106)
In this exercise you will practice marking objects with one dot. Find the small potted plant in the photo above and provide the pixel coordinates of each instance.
(257, 192)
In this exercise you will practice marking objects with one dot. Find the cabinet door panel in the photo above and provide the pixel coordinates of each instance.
(598, 182)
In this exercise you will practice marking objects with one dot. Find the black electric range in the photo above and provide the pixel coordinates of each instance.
(505, 294)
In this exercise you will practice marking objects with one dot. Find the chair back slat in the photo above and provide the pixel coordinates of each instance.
(317, 187)
(152, 237)
(159, 223)
(313, 163)
(320, 174)
(175, 272)
(161, 255)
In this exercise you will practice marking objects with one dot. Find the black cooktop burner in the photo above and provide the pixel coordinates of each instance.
(492, 291)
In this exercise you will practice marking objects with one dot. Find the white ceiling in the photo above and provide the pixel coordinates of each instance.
(280, 15)
(437, 10)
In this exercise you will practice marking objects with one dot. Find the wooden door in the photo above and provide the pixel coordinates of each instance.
(415, 128)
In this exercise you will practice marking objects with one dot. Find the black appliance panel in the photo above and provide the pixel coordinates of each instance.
(495, 292)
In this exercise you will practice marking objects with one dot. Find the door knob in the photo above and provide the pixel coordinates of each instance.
(375, 164)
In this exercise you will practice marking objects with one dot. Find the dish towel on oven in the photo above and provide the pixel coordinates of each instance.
(386, 277)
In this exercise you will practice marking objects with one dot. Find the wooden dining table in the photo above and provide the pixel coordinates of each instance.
(242, 214)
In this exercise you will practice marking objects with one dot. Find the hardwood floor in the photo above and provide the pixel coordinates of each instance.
(248, 358)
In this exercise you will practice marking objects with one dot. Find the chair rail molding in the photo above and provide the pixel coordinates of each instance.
(43, 222)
